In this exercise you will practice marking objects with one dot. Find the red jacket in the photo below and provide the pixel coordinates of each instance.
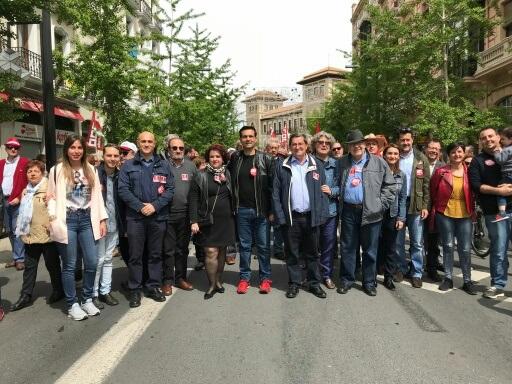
(20, 177)
(441, 187)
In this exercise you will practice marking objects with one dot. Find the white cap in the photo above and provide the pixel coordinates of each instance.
(126, 145)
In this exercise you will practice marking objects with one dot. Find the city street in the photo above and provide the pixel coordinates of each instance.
(409, 336)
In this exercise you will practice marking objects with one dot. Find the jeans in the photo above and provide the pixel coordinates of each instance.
(51, 260)
(10, 218)
(103, 280)
(250, 226)
(301, 243)
(499, 236)
(387, 256)
(328, 232)
(353, 236)
(415, 226)
(79, 234)
(175, 253)
(462, 229)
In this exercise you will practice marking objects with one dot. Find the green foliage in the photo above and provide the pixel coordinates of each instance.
(409, 72)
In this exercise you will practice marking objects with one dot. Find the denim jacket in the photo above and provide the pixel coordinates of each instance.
(398, 207)
(332, 180)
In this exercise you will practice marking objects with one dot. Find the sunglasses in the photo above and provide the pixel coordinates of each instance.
(11, 147)
(125, 153)
(177, 148)
(323, 142)
(336, 148)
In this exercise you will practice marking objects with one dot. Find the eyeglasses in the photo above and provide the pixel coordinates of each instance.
(336, 148)
(177, 148)
(323, 142)
(11, 147)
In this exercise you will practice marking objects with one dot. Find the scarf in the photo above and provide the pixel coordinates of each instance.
(218, 173)
(26, 210)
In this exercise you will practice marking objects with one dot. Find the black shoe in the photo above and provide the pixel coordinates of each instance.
(469, 288)
(108, 299)
(156, 294)
(54, 297)
(23, 301)
(370, 290)
(97, 303)
(199, 266)
(318, 291)
(209, 295)
(293, 291)
(343, 289)
(446, 285)
(388, 283)
(134, 299)
(220, 289)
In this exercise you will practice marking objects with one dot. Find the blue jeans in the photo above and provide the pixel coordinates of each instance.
(10, 218)
(499, 236)
(103, 279)
(79, 234)
(328, 232)
(415, 226)
(251, 226)
(449, 228)
(353, 236)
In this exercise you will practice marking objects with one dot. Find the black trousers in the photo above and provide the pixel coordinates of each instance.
(431, 245)
(33, 253)
(301, 242)
(175, 255)
(387, 256)
(145, 234)
(124, 248)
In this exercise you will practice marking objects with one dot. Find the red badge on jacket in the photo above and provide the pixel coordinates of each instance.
(489, 162)
(184, 177)
(316, 176)
(161, 189)
(254, 171)
(419, 172)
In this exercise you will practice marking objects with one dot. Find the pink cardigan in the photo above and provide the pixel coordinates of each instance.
(57, 205)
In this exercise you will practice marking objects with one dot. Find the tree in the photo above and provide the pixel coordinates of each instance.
(409, 70)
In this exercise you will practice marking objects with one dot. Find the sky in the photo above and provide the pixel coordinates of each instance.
(273, 43)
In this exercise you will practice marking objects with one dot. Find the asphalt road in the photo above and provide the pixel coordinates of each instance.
(406, 336)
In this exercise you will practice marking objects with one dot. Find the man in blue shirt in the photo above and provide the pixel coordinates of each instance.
(300, 207)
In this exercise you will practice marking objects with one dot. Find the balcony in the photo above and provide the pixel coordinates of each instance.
(496, 58)
(144, 12)
(27, 60)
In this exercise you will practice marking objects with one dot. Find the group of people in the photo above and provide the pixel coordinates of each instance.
(150, 206)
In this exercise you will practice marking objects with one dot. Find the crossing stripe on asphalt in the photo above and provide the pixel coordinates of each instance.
(100, 360)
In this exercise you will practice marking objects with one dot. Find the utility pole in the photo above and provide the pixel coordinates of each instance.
(48, 93)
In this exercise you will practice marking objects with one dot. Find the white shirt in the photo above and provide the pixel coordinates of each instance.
(406, 162)
(8, 180)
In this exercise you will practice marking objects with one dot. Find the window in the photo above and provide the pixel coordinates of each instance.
(506, 104)
(295, 123)
(275, 128)
(507, 18)
(264, 128)
(301, 122)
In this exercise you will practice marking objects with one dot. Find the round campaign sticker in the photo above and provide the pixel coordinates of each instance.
(419, 173)
(160, 189)
(254, 171)
(356, 182)
(489, 162)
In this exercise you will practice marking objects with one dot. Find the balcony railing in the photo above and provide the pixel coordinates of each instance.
(145, 11)
(28, 59)
(495, 55)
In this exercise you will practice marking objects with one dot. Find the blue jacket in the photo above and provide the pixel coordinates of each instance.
(281, 191)
(130, 188)
(398, 207)
(332, 180)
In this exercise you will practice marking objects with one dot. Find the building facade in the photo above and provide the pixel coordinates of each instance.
(267, 112)
(72, 115)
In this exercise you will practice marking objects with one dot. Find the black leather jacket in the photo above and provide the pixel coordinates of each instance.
(263, 181)
(198, 207)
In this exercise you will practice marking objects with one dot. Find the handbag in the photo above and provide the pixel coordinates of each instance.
(208, 220)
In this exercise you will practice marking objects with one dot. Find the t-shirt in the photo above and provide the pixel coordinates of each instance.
(456, 206)
(246, 183)
(78, 193)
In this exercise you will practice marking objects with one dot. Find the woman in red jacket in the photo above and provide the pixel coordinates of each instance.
(453, 206)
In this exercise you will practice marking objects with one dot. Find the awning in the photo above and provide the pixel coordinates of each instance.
(36, 106)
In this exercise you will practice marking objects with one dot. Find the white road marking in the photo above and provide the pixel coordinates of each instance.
(100, 360)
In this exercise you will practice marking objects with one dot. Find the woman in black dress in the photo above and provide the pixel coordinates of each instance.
(211, 215)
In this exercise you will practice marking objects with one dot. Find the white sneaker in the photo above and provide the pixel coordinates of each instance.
(76, 313)
(90, 308)
(493, 293)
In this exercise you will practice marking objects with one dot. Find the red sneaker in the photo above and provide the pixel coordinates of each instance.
(243, 287)
(2, 313)
(266, 286)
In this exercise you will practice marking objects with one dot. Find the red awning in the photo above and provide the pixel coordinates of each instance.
(74, 115)
(29, 105)
(36, 106)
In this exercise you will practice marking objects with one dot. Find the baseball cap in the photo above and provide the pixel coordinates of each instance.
(126, 145)
(12, 142)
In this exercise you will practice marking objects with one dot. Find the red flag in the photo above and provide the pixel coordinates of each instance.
(284, 136)
(272, 132)
(317, 127)
(94, 140)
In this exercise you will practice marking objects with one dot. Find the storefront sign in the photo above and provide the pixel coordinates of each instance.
(28, 132)
(61, 136)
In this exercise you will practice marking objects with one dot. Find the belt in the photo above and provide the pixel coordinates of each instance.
(300, 214)
(78, 210)
(355, 206)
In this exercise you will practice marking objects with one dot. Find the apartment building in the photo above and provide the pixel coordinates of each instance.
(72, 115)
